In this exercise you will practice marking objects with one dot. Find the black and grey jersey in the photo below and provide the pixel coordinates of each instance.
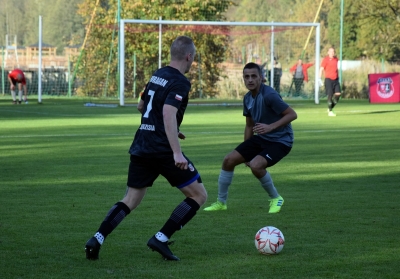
(267, 107)
(166, 86)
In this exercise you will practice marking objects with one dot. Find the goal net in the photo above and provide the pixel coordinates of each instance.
(222, 49)
(46, 71)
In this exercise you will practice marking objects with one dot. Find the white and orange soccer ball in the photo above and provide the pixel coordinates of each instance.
(269, 240)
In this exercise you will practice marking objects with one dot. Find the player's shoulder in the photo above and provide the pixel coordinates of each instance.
(170, 71)
(173, 75)
(247, 95)
(266, 89)
(168, 78)
(270, 94)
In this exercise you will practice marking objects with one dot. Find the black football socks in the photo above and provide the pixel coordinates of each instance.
(115, 216)
(181, 215)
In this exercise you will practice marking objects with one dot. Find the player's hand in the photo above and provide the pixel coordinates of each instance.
(12, 87)
(261, 128)
(180, 161)
(320, 83)
(181, 135)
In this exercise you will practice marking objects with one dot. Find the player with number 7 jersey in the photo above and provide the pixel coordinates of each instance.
(156, 151)
(167, 86)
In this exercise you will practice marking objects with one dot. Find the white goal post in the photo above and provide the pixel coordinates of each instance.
(271, 25)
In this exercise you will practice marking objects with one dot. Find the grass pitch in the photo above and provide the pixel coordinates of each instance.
(64, 165)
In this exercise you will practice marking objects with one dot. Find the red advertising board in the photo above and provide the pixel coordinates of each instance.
(384, 88)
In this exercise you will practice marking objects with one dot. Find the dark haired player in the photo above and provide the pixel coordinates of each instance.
(156, 151)
(268, 137)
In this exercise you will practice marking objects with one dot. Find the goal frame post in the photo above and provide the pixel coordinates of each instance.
(160, 22)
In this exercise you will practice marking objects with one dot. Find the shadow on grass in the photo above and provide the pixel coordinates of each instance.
(381, 111)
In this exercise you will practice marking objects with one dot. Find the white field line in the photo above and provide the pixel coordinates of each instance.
(321, 110)
(39, 113)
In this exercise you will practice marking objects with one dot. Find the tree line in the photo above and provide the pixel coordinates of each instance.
(370, 27)
(61, 24)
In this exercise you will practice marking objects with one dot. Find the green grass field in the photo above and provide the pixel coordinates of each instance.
(64, 165)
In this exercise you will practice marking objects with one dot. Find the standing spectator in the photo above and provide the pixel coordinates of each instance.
(300, 74)
(329, 66)
(156, 151)
(268, 138)
(277, 75)
(17, 78)
(264, 71)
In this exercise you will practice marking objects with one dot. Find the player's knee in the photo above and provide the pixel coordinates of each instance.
(200, 196)
(257, 168)
(258, 172)
(230, 162)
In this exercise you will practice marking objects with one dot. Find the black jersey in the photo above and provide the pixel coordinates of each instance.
(166, 86)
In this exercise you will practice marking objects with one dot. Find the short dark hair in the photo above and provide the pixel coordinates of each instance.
(181, 46)
(252, 65)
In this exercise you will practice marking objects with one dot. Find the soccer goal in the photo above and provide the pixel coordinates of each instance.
(223, 48)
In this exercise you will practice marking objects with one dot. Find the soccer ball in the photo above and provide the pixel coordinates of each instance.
(269, 240)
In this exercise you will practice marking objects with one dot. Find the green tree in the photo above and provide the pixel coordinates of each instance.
(60, 21)
(12, 16)
(351, 28)
(307, 11)
(143, 42)
(380, 25)
(263, 10)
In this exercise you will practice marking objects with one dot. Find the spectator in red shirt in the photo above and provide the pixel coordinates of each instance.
(329, 67)
(300, 74)
(17, 77)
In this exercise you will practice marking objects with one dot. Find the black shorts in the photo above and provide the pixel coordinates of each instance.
(14, 81)
(273, 152)
(332, 86)
(144, 171)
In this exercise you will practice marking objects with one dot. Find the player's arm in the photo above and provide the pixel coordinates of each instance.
(322, 68)
(288, 115)
(248, 130)
(11, 83)
(321, 71)
(140, 106)
(171, 128)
